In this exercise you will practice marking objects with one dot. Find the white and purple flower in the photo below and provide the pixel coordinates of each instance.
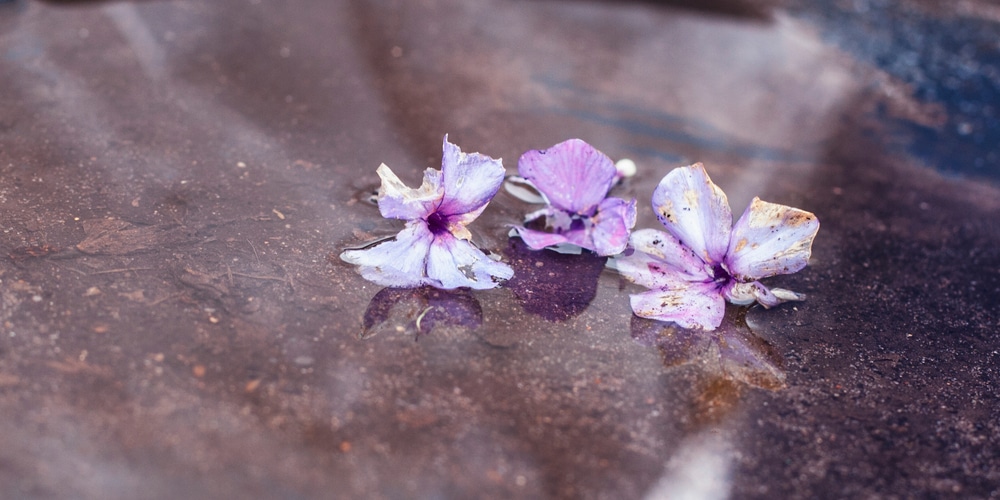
(703, 259)
(574, 178)
(434, 247)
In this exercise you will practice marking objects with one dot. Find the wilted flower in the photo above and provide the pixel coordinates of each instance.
(434, 248)
(703, 259)
(574, 178)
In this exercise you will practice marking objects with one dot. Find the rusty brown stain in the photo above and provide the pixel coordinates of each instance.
(32, 252)
(740, 245)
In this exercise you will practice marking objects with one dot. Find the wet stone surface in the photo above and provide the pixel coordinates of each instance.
(178, 178)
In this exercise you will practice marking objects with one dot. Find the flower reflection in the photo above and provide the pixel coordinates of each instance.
(730, 354)
(553, 285)
(419, 311)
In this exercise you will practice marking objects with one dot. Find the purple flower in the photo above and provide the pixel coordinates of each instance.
(434, 248)
(574, 179)
(703, 259)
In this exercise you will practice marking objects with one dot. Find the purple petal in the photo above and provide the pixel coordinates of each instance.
(582, 237)
(613, 221)
(660, 260)
(398, 262)
(605, 234)
(572, 175)
(694, 210)
(690, 305)
(770, 239)
(455, 263)
(470, 182)
(537, 240)
(396, 201)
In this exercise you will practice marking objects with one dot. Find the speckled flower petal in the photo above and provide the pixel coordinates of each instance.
(659, 259)
(770, 239)
(612, 223)
(694, 210)
(397, 262)
(572, 175)
(690, 305)
(470, 181)
(397, 201)
(455, 263)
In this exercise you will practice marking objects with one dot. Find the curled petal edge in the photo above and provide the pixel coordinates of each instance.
(748, 293)
(398, 201)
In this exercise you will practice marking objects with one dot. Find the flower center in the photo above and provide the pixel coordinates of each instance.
(720, 274)
(437, 223)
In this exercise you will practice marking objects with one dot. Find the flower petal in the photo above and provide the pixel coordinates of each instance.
(397, 262)
(690, 305)
(660, 253)
(605, 234)
(537, 240)
(770, 239)
(470, 182)
(748, 293)
(523, 189)
(397, 201)
(695, 211)
(454, 263)
(612, 223)
(572, 175)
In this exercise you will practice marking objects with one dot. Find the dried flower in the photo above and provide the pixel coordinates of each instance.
(434, 247)
(703, 259)
(574, 178)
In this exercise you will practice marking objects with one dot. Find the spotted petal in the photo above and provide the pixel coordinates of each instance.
(770, 239)
(455, 263)
(470, 181)
(695, 211)
(661, 254)
(690, 305)
(397, 201)
(398, 262)
(572, 175)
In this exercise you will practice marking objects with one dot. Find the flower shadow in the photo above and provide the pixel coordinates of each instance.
(550, 284)
(418, 311)
(731, 353)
